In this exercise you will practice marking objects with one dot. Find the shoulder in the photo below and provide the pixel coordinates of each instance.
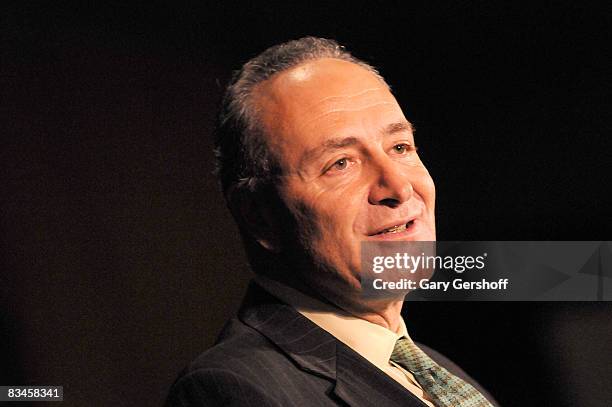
(241, 348)
(242, 368)
(213, 386)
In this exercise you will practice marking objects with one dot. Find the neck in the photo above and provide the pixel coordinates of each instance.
(389, 317)
(385, 312)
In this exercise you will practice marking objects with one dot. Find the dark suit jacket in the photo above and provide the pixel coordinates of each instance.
(271, 355)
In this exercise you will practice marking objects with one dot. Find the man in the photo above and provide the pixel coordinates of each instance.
(315, 156)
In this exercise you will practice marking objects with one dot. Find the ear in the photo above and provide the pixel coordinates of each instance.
(258, 213)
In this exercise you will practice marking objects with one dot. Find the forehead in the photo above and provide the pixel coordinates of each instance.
(322, 97)
(317, 79)
(318, 83)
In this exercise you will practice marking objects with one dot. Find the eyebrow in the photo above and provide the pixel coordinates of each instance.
(341, 142)
(329, 145)
(398, 128)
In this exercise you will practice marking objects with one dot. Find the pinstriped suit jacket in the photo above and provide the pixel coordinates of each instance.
(271, 355)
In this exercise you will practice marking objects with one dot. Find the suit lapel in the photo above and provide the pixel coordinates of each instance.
(310, 347)
(314, 350)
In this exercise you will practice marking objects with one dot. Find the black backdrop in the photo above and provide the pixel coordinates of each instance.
(120, 262)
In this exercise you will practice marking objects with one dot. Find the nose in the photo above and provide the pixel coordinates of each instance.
(391, 185)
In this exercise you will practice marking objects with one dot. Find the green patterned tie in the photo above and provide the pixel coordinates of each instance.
(444, 389)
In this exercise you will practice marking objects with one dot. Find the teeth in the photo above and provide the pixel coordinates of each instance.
(396, 229)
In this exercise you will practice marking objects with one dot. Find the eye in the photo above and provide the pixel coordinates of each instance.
(403, 148)
(340, 165)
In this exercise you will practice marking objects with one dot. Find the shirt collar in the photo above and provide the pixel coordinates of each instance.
(374, 342)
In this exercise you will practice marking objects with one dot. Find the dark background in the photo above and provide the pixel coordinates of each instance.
(120, 262)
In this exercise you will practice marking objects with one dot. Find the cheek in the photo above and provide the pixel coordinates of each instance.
(431, 194)
(426, 188)
(325, 214)
(346, 206)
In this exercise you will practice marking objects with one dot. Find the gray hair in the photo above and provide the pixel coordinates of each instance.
(243, 159)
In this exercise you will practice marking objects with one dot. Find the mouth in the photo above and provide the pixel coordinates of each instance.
(396, 229)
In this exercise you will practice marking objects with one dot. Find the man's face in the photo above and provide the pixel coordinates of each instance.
(350, 171)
